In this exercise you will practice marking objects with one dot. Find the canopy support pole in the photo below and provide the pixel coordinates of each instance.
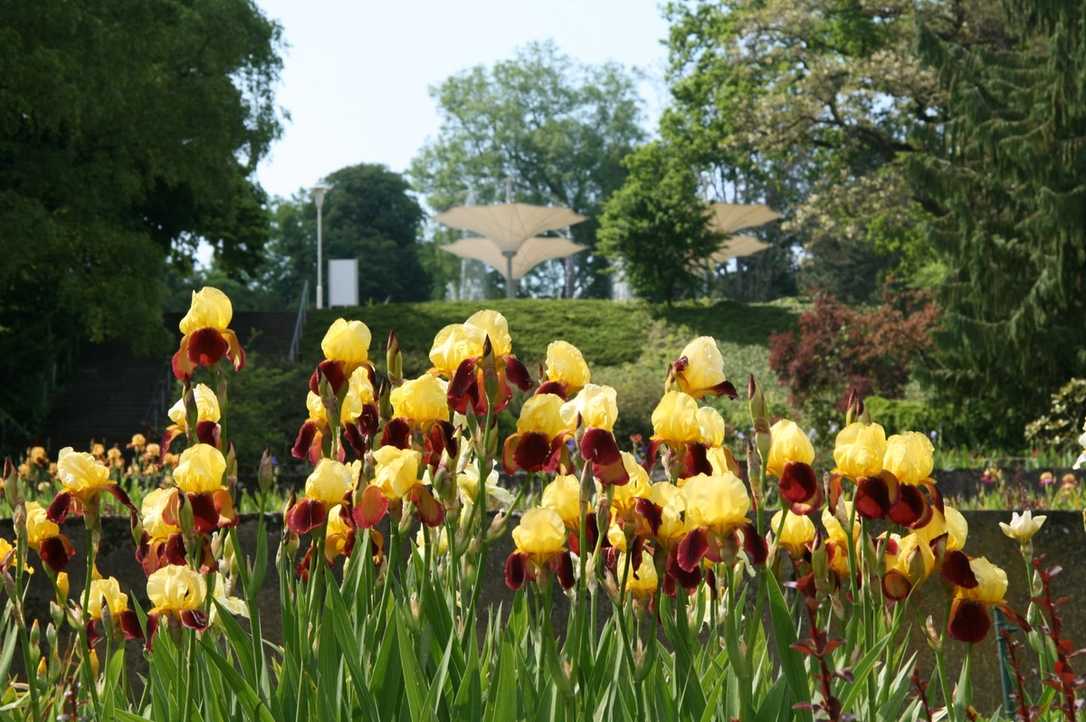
(510, 292)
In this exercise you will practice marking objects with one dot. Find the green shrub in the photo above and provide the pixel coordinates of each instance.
(1061, 426)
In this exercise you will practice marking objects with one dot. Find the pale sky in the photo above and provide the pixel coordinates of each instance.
(356, 75)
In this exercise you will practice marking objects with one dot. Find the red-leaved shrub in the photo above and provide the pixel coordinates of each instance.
(838, 349)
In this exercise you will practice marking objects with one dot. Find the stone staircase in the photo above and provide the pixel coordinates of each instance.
(112, 394)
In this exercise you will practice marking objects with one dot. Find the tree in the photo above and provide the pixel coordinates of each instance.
(811, 106)
(556, 129)
(369, 214)
(129, 133)
(1006, 198)
(656, 226)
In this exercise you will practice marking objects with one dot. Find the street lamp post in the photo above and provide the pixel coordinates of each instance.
(319, 191)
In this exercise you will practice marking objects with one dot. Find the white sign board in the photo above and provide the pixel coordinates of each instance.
(342, 282)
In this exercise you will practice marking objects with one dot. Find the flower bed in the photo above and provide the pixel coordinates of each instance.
(378, 597)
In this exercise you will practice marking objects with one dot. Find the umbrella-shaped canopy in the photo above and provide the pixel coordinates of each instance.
(729, 218)
(737, 247)
(532, 252)
(509, 225)
(510, 239)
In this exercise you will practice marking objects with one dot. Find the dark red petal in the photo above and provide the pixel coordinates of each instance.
(397, 433)
(55, 552)
(532, 451)
(969, 621)
(129, 624)
(872, 497)
(169, 436)
(957, 571)
(613, 474)
(552, 387)
(688, 580)
(207, 432)
(204, 516)
(303, 442)
(724, 388)
(180, 365)
(206, 346)
(591, 534)
(306, 564)
(194, 619)
(122, 497)
(909, 506)
(651, 452)
(564, 570)
(651, 512)
(696, 460)
(448, 433)
(368, 420)
(333, 372)
(895, 585)
(462, 382)
(599, 445)
(356, 439)
(430, 510)
(234, 351)
(305, 515)
(58, 510)
(515, 570)
(798, 482)
(517, 373)
(175, 549)
(94, 632)
(691, 549)
(152, 628)
(754, 545)
(371, 508)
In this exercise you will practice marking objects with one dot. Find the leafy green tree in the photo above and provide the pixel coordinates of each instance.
(129, 133)
(810, 106)
(369, 214)
(1007, 201)
(655, 226)
(558, 130)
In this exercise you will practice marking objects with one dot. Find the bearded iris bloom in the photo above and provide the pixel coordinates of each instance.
(207, 418)
(978, 585)
(176, 593)
(357, 418)
(199, 475)
(106, 594)
(565, 370)
(543, 428)
(699, 370)
(458, 354)
(43, 535)
(206, 334)
(596, 407)
(540, 545)
(346, 347)
(83, 479)
(161, 542)
(716, 508)
(794, 532)
(695, 435)
(327, 486)
(860, 452)
(422, 405)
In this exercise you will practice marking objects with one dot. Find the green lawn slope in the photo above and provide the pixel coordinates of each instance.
(627, 344)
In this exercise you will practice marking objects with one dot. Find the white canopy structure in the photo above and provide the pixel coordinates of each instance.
(737, 247)
(728, 219)
(510, 239)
